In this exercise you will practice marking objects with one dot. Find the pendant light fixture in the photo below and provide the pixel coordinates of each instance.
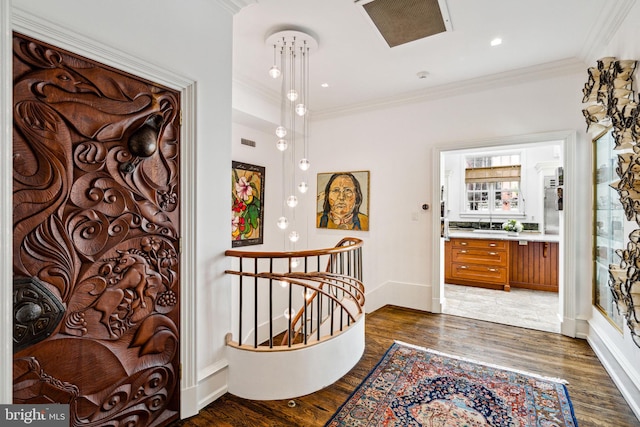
(291, 50)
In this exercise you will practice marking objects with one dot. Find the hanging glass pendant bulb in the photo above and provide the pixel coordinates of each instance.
(294, 236)
(301, 109)
(274, 72)
(292, 201)
(304, 164)
(282, 144)
(281, 131)
(292, 95)
(303, 187)
(288, 313)
(283, 223)
(294, 262)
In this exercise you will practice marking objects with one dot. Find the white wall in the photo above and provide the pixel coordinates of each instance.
(192, 39)
(395, 144)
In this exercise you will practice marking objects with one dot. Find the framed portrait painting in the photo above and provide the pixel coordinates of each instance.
(343, 200)
(247, 202)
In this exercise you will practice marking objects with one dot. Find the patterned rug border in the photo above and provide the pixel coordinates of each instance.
(373, 370)
(478, 362)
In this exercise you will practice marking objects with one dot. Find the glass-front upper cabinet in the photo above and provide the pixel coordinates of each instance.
(608, 230)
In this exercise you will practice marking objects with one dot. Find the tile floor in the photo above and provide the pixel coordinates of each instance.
(519, 307)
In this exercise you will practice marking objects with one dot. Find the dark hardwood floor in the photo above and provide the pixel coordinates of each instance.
(596, 400)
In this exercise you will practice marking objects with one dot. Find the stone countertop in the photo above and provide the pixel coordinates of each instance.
(499, 235)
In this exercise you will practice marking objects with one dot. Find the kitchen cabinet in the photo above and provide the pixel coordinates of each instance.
(608, 220)
(534, 265)
(502, 263)
(477, 262)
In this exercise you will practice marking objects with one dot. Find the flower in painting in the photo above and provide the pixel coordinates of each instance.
(244, 190)
(238, 227)
(235, 227)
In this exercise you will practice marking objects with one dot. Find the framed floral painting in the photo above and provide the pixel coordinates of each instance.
(343, 200)
(247, 201)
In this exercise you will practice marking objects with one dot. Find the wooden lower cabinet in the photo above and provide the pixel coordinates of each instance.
(500, 264)
(477, 262)
(534, 266)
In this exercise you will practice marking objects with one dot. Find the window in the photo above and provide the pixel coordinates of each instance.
(493, 184)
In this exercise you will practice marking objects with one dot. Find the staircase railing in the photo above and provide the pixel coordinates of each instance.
(297, 298)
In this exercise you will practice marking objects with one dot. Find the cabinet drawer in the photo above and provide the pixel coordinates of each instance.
(479, 273)
(479, 243)
(479, 256)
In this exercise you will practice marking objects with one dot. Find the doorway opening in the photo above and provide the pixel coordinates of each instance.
(542, 157)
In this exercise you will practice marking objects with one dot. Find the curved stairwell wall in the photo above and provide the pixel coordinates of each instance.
(292, 373)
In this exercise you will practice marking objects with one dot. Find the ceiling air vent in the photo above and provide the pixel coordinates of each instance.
(404, 21)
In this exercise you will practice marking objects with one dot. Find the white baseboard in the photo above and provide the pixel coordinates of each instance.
(213, 384)
(616, 368)
(189, 402)
(581, 327)
(408, 295)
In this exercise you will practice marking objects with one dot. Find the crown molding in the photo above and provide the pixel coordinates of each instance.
(234, 6)
(611, 18)
(256, 89)
(522, 75)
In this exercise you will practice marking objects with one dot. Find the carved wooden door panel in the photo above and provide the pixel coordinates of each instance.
(96, 239)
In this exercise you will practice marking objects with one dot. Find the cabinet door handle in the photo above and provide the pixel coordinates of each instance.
(493, 253)
(463, 251)
(492, 269)
(463, 267)
(463, 243)
(492, 244)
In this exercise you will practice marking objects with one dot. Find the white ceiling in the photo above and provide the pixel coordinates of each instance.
(361, 70)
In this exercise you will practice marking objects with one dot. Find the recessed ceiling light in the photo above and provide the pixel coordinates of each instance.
(496, 42)
(325, 85)
(422, 74)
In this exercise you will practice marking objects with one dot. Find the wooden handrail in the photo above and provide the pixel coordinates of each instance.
(340, 282)
(340, 247)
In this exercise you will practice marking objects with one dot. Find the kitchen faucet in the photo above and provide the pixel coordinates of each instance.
(490, 222)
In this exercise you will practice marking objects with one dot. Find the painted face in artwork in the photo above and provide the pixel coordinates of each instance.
(342, 196)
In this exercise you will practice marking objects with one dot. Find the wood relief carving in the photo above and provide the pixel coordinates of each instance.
(609, 90)
(96, 227)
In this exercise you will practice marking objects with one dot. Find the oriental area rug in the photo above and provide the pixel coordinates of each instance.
(414, 386)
